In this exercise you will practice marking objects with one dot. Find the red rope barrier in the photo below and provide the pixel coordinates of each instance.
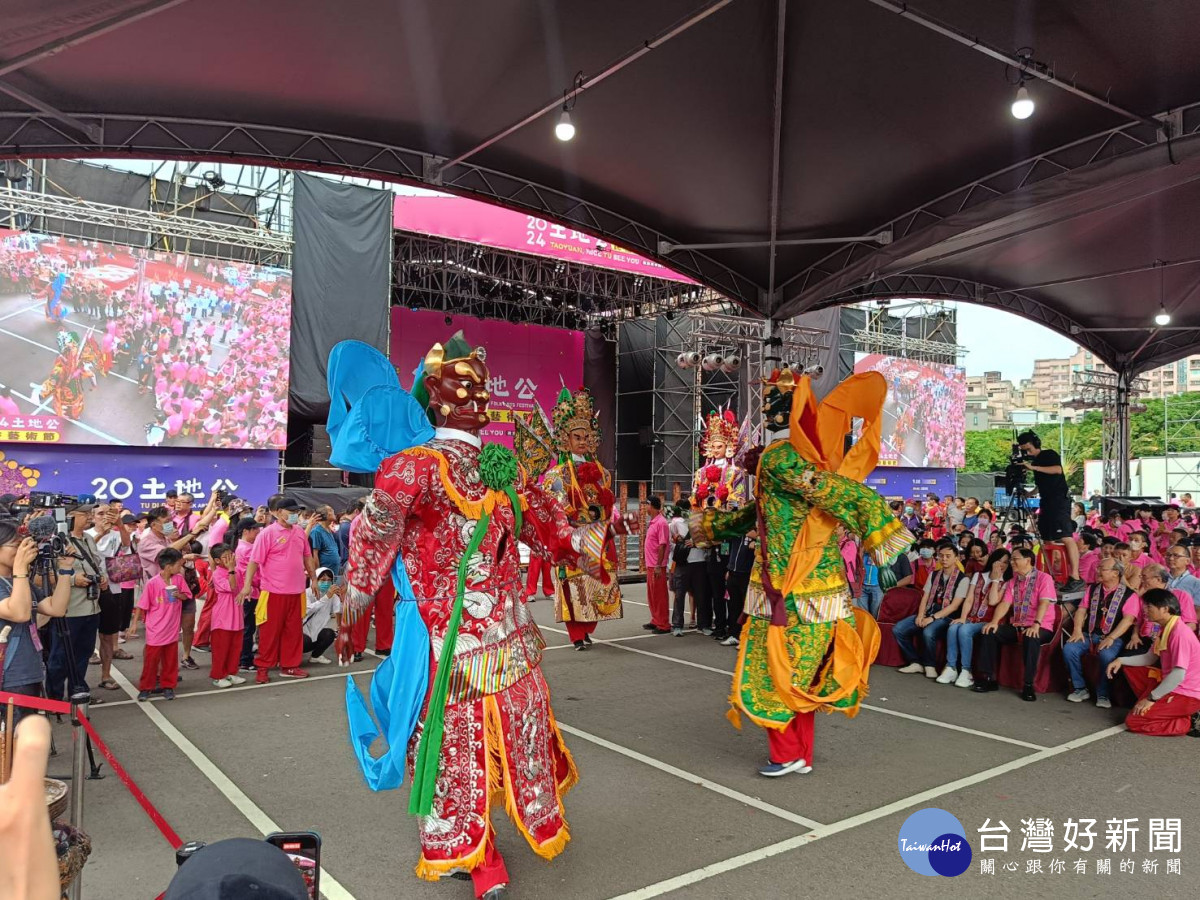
(58, 706)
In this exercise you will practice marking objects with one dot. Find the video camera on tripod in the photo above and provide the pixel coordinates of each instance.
(1015, 472)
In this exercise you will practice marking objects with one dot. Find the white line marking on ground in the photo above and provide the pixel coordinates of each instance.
(90, 329)
(244, 687)
(43, 404)
(754, 802)
(959, 728)
(745, 859)
(19, 312)
(330, 887)
(887, 712)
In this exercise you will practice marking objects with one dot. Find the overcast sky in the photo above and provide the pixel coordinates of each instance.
(997, 340)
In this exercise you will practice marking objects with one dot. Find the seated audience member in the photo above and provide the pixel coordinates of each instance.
(1143, 519)
(1099, 623)
(1028, 602)
(996, 541)
(324, 608)
(1172, 706)
(1089, 560)
(1184, 583)
(944, 593)
(1123, 552)
(1078, 516)
(1193, 546)
(1139, 543)
(970, 513)
(1156, 576)
(984, 527)
(977, 554)
(924, 564)
(982, 596)
(1116, 527)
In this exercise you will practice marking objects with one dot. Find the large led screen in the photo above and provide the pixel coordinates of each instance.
(107, 344)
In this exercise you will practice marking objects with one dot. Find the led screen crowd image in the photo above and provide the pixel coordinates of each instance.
(924, 415)
(108, 344)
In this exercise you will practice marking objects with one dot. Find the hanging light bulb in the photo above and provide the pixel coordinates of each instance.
(565, 129)
(1163, 317)
(1022, 107)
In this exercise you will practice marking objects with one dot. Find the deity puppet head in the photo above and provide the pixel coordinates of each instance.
(452, 383)
(576, 424)
(720, 439)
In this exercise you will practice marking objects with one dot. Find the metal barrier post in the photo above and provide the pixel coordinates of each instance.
(79, 703)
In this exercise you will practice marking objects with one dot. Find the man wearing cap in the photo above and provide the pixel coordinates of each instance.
(282, 560)
(68, 665)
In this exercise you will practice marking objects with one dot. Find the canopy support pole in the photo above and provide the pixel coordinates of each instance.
(1124, 391)
(776, 137)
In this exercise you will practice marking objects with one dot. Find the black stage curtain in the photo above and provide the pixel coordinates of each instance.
(340, 281)
(600, 377)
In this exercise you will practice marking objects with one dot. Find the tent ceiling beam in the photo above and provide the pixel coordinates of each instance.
(91, 132)
(31, 134)
(1101, 146)
(586, 82)
(86, 34)
(1024, 65)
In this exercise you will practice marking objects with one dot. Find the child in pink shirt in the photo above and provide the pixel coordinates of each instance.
(227, 620)
(161, 605)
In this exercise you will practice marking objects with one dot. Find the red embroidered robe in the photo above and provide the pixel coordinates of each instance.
(501, 741)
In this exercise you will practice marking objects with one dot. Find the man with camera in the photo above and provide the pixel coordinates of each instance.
(70, 650)
(1054, 517)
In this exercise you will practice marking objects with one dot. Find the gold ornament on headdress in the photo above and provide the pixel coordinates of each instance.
(720, 427)
(572, 413)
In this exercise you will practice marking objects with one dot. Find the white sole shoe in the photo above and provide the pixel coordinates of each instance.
(931, 672)
(965, 680)
(913, 669)
(948, 675)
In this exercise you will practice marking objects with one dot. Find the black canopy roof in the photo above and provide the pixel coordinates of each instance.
(886, 121)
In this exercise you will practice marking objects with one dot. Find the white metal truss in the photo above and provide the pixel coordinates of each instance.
(472, 279)
(203, 238)
(1113, 395)
(1181, 448)
(890, 330)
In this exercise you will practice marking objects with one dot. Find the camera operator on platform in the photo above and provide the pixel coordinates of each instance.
(1054, 516)
(19, 600)
(68, 666)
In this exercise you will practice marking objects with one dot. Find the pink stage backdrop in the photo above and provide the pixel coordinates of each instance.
(445, 215)
(527, 362)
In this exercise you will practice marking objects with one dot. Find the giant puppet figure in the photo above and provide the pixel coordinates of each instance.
(584, 489)
(444, 521)
(803, 646)
(720, 476)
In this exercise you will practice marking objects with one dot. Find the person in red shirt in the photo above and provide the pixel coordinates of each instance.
(283, 560)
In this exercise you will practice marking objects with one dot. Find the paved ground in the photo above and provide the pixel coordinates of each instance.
(669, 802)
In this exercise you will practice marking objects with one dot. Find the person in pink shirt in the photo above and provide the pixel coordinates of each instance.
(1028, 602)
(1089, 560)
(226, 619)
(657, 550)
(283, 559)
(161, 605)
(1169, 705)
(1139, 542)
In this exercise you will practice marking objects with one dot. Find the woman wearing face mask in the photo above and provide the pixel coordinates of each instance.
(1030, 597)
(924, 565)
(910, 519)
(984, 527)
(323, 617)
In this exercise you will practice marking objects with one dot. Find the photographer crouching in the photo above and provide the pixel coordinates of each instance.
(21, 602)
(1054, 521)
(71, 648)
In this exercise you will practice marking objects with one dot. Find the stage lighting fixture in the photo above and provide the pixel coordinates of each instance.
(1022, 107)
(448, 320)
(711, 362)
(815, 371)
(565, 129)
(1163, 317)
(689, 359)
(731, 363)
(213, 180)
